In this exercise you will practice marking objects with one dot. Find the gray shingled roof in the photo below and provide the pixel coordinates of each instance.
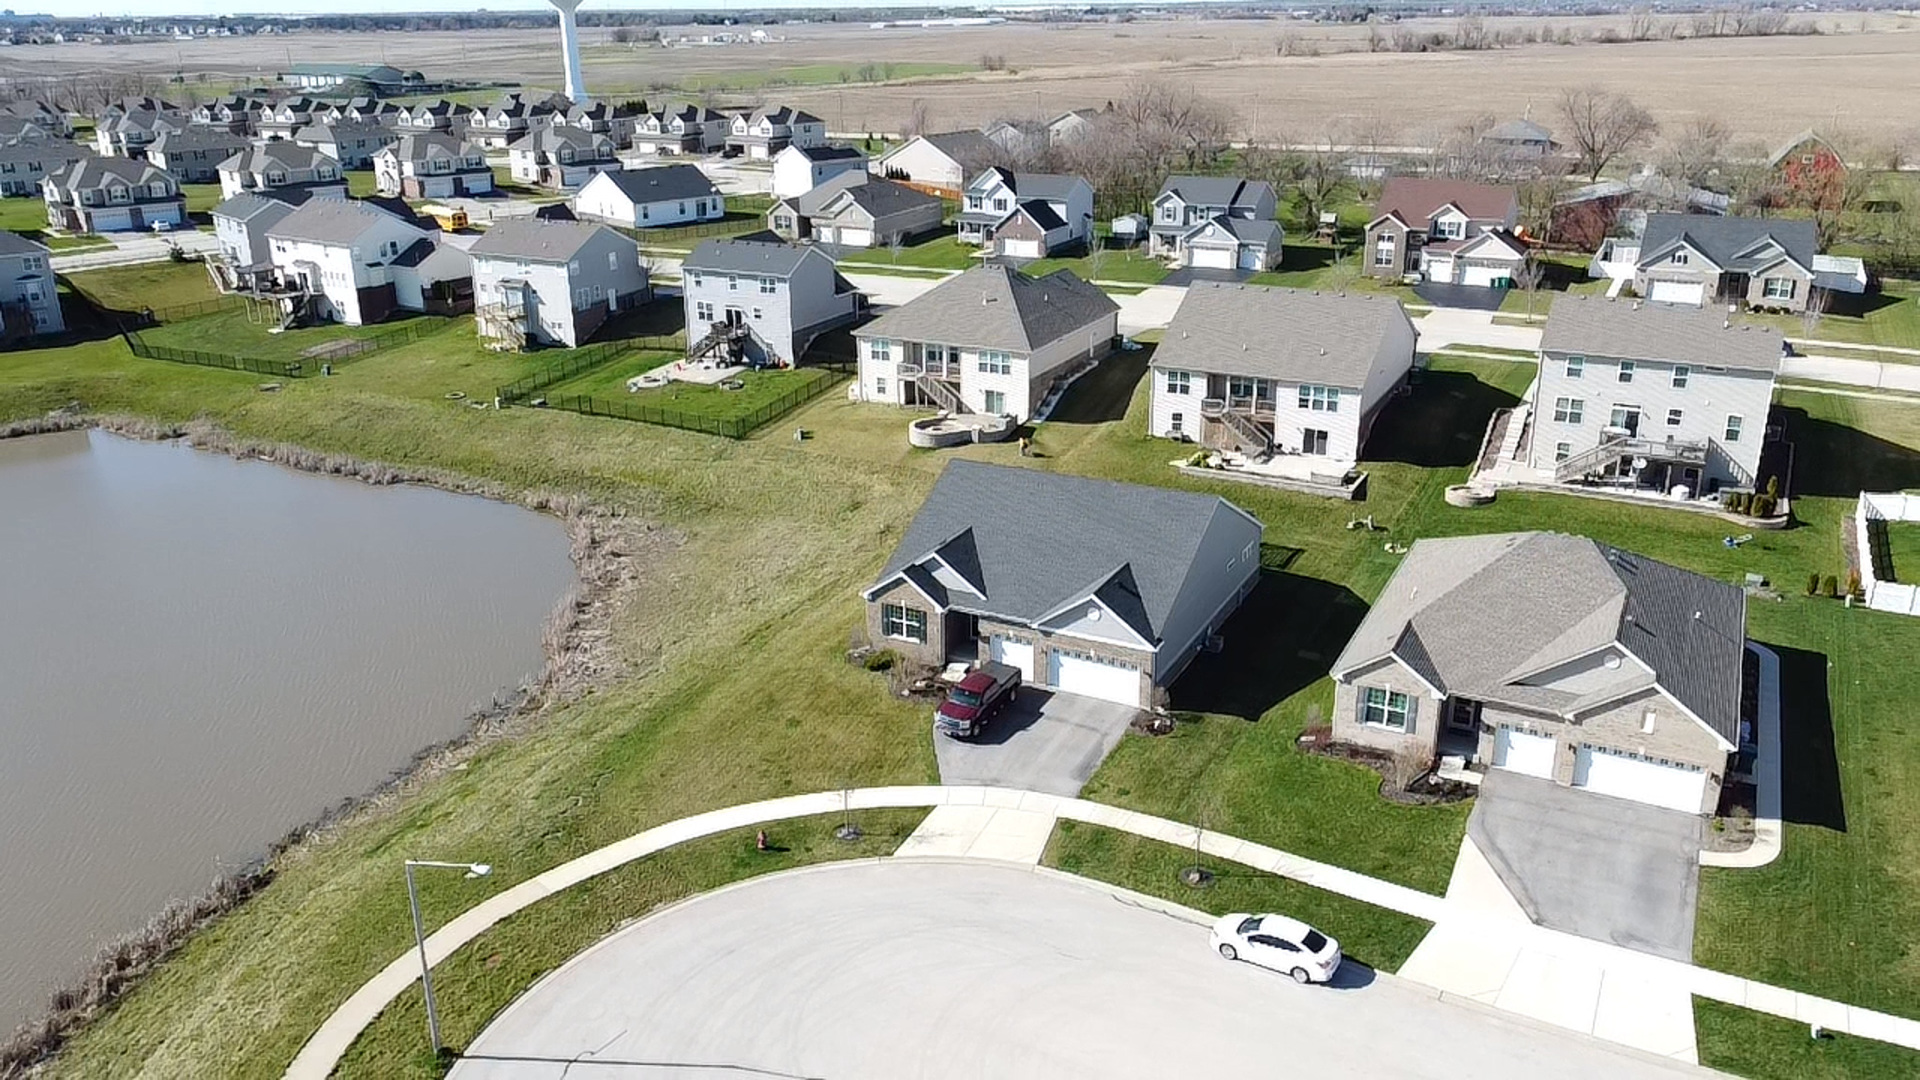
(1033, 185)
(1518, 131)
(872, 194)
(1478, 614)
(51, 154)
(197, 137)
(330, 221)
(1673, 333)
(89, 172)
(1245, 230)
(280, 153)
(536, 240)
(1286, 334)
(970, 148)
(1034, 541)
(1216, 190)
(996, 307)
(12, 243)
(660, 183)
(747, 256)
(828, 153)
(1730, 241)
(421, 146)
(552, 137)
(246, 206)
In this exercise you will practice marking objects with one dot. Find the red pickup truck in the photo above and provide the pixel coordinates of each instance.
(974, 700)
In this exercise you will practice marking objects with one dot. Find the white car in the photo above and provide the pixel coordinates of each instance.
(1277, 942)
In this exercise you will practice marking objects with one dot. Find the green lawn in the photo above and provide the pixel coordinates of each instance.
(75, 243)
(1766, 1047)
(473, 985)
(1376, 937)
(611, 381)
(938, 251)
(758, 389)
(1889, 317)
(362, 184)
(22, 214)
(156, 285)
(1115, 265)
(201, 198)
(241, 333)
(1903, 550)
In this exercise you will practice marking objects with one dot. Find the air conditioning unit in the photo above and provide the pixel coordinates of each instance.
(1215, 643)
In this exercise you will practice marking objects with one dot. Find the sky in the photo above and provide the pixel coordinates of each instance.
(309, 7)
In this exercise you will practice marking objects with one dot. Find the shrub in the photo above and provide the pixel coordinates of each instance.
(1762, 506)
(1727, 501)
(884, 660)
(1740, 501)
(1830, 585)
(1853, 583)
(1773, 487)
(1813, 584)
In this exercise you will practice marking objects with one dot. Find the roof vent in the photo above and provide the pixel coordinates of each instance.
(1323, 350)
(1726, 324)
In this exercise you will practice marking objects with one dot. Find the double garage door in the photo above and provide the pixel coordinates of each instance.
(849, 237)
(1630, 776)
(1071, 672)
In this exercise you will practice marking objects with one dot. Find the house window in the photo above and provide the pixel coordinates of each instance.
(768, 285)
(1320, 398)
(1679, 258)
(974, 202)
(1170, 212)
(1176, 425)
(733, 283)
(1383, 251)
(1779, 288)
(1680, 374)
(1451, 229)
(1673, 417)
(1242, 387)
(996, 403)
(1562, 451)
(1388, 709)
(1733, 428)
(695, 279)
(703, 311)
(904, 623)
(613, 260)
(1626, 371)
(878, 349)
(1179, 382)
(756, 315)
(1576, 366)
(1313, 441)
(995, 363)
(880, 385)
(1000, 204)
(1568, 410)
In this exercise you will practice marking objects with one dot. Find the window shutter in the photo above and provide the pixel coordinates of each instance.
(1413, 712)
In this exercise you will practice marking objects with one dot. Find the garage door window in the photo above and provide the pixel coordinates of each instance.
(904, 623)
(1387, 709)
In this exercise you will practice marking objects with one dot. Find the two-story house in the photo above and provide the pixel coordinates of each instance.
(762, 300)
(1651, 396)
(1231, 217)
(54, 122)
(356, 263)
(855, 210)
(552, 282)
(240, 226)
(29, 296)
(940, 163)
(431, 166)
(128, 134)
(193, 154)
(991, 340)
(352, 143)
(689, 129)
(24, 165)
(19, 129)
(1452, 232)
(799, 169)
(560, 158)
(280, 119)
(761, 134)
(1518, 141)
(365, 110)
(235, 113)
(112, 194)
(616, 121)
(501, 124)
(1270, 372)
(1697, 259)
(1026, 215)
(280, 164)
(651, 197)
(436, 115)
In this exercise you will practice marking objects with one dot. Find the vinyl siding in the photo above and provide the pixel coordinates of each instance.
(1705, 403)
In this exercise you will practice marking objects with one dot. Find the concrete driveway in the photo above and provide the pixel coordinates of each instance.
(909, 969)
(1187, 275)
(1604, 868)
(1468, 297)
(1042, 742)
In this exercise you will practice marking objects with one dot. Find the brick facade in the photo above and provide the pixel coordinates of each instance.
(933, 651)
(1044, 645)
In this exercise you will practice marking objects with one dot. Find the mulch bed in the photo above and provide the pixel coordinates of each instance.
(1426, 790)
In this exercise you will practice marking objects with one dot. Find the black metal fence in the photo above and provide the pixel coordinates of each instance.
(738, 426)
(290, 369)
(344, 352)
(667, 234)
(181, 312)
(580, 361)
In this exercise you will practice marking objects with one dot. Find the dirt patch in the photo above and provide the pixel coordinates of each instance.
(1402, 779)
(1732, 826)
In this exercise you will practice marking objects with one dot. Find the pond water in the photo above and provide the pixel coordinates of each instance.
(198, 654)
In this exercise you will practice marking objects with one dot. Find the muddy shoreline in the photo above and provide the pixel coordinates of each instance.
(606, 547)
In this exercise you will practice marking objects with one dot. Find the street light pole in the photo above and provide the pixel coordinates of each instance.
(473, 870)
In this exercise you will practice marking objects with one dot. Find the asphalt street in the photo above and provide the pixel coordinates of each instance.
(895, 970)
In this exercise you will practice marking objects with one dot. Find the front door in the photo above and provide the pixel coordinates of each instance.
(1626, 418)
(1313, 441)
(736, 317)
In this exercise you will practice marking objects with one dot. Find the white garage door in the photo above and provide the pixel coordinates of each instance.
(1017, 653)
(1679, 292)
(1252, 258)
(1484, 275)
(1211, 258)
(1020, 249)
(1626, 776)
(1073, 673)
(1524, 753)
(856, 237)
(1440, 269)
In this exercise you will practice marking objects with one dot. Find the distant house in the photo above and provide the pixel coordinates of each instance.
(799, 169)
(857, 211)
(1453, 232)
(193, 154)
(560, 158)
(431, 166)
(991, 340)
(762, 300)
(436, 115)
(352, 143)
(29, 296)
(358, 263)
(379, 78)
(49, 119)
(1088, 587)
(1266, 372)
(1810, 172)
(501, 124)
(280, 119)
(553, 282)
(235, 112)
(280, 164)
(1552, 656)
(24, 165)
(616, 122)
(19, 129)
(1026, 215)
(1019, 139)
(112, 194)
(689, 129)
(1653, 396)
(1211, 208)
(129, 134)
(651, 197)
(761, 134)
(366, 111)
(1695, 259)
(240, 225)
(941, 163)
(1519, 140)
(1071, 127)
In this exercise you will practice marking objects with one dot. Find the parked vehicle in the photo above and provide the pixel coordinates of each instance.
(975, 699)
(1285, 945)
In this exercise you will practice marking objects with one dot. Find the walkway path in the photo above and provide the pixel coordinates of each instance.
(1527, 966)
(1873, 374)
(1767, 831)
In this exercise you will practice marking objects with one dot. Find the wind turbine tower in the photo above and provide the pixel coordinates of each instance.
(570, 49)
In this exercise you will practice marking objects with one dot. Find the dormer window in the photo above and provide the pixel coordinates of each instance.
(1679, 258)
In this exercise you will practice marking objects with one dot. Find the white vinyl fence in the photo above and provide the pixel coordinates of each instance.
(1869, 521)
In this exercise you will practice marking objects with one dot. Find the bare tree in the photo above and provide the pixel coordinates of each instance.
(1527, 278)
(918, 120)
(896, 241)
(1695, 153)
(1602, 126)
(1096, 253)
